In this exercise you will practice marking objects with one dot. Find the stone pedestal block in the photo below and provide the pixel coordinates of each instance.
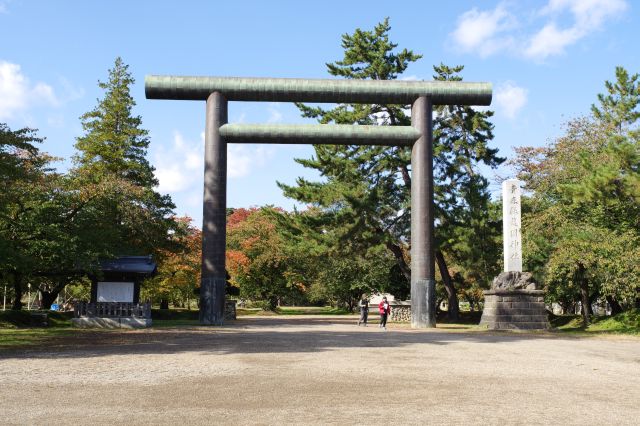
(116, 322)
(514, 310)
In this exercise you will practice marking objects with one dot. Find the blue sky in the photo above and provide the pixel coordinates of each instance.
(547, 60)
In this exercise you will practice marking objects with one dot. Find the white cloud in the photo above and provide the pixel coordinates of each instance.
(3, 6)
(510, 98)
(242, 159)
(180, 167)
(550, 41)
(483, 32)
(588, 16)
(546, 32)
(177, 167)
(17, 94)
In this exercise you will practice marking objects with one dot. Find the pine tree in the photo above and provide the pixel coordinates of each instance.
(365, 197)
(114, 142)
(361, 193)
(619, 108)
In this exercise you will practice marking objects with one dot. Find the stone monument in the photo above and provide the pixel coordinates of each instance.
(515, 301)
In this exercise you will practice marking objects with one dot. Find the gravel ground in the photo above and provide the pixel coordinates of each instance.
(322, 370)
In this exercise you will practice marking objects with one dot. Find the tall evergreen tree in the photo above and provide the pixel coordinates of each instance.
(114, 148)
(114, 141)
(365, 195)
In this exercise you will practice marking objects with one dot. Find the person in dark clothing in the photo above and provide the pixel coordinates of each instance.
(385, 310)
(364, 309)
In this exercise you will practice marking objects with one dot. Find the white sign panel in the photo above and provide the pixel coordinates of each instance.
(511, 225)
(115, 292)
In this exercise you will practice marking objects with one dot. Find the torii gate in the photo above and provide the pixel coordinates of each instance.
(217, 91)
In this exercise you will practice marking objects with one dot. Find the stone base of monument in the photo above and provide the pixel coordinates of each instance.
(514, 303)
(514, 310)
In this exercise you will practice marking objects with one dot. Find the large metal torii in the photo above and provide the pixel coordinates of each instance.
(217, 91)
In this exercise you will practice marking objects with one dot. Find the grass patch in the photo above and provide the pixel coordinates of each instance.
(627, 322)
(175, 317)
(21, 337)
(21, 319)
(241, 312)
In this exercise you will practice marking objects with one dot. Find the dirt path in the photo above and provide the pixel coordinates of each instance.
(322, 370)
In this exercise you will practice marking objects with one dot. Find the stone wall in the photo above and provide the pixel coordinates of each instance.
(400, 311)
(514, 310)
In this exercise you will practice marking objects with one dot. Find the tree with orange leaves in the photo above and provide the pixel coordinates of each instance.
(178, 268)
(259, 259)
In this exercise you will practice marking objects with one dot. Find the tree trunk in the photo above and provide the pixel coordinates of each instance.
(584, 294)
(399, 256)
(452, 296)
(615, 306)
(273, 303)
(17, 289)
(48, 297)
(164, 303)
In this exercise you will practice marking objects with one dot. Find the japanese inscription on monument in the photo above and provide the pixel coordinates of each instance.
(511, 225)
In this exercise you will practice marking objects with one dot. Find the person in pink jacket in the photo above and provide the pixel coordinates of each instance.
(385, 310)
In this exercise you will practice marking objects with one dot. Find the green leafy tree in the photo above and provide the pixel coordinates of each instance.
(64, 223)
(47, 224)
(582, 223)
(342, 280)
(22, 168)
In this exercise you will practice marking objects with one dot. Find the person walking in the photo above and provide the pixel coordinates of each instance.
(385, 310)
(364, 309)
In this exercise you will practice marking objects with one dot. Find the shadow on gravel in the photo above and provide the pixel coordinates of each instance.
(252, 335)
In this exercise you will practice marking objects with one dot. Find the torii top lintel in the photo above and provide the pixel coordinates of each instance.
(317, 90)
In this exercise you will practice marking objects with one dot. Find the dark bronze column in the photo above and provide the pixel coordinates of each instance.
(423, 284)
(214, 218)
